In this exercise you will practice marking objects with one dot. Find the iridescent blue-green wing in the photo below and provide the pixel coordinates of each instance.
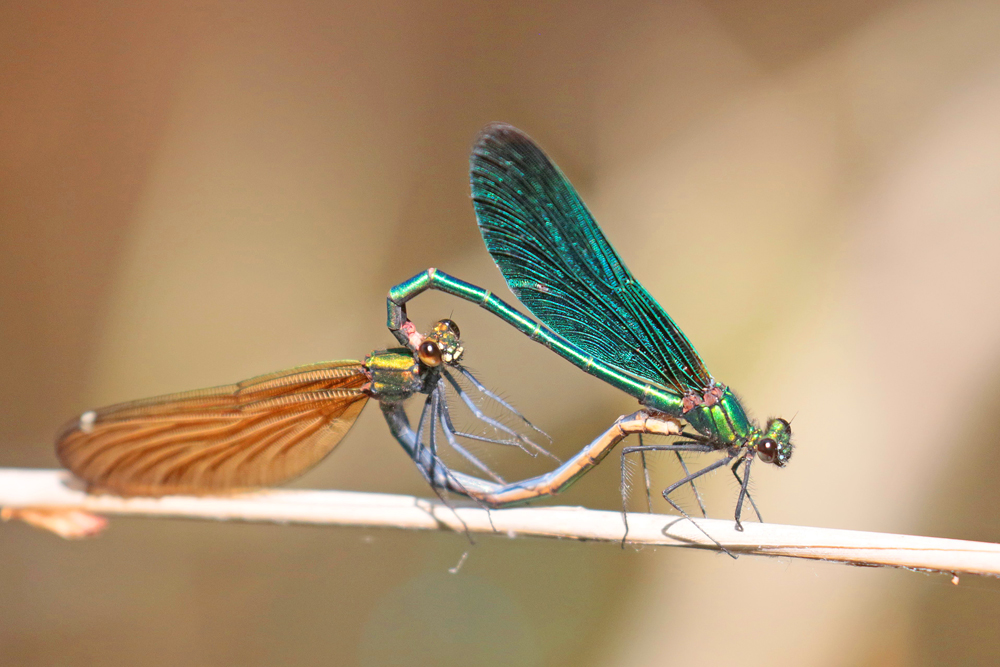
(558, 263)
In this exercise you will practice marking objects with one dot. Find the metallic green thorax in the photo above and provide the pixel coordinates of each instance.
(725, 420)
(395, 375)
(720, 415)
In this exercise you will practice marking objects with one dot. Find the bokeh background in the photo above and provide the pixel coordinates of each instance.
(195, 193)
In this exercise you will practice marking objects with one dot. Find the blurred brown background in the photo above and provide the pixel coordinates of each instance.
(194, 193)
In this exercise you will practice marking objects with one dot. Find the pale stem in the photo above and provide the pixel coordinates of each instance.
(53, 499)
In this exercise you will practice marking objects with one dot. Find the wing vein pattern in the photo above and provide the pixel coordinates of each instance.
(259, 432)
(558, 263)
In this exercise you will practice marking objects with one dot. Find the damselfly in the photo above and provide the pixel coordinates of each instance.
(558, 263)
(270, 429)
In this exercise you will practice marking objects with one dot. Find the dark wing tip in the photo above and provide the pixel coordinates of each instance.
(499, 134)
(502, 149)
(498, 129)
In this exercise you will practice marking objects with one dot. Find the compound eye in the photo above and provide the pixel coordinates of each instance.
(451, 325)
(767, 449)
(429, 353)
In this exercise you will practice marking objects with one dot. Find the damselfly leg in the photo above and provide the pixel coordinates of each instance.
(694, 487)
(744, 490)
(436, 419)
(698, 445)
(510, 408)
(517, 439)
(683, 446)
(450, 433)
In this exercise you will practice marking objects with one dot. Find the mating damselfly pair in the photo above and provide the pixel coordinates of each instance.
(557, 262)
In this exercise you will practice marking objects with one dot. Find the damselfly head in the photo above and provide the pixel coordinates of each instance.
(444, 338)
(775, 445)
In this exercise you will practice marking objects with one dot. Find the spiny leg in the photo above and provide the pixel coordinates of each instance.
(743, 492)
(438, 491)
(483, 438)
(432, 400)
(696, 437)
(428, 464)
(623, 488)
(518, 439)
(749, 497)
(676, 447)
(419, 444)
(694, 487)
(483, 417)
(512, 442)
(645, 474)
(449, 431)
(483, 390)
(433, 407)
(436, 422)
(676, 485)
(399, 425)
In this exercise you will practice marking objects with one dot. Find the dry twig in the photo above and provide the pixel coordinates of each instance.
(53, 500)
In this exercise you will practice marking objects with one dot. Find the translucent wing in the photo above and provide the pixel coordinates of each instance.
(260, 432)
(558, 263)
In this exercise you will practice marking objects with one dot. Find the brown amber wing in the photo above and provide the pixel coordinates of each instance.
(259, 432)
